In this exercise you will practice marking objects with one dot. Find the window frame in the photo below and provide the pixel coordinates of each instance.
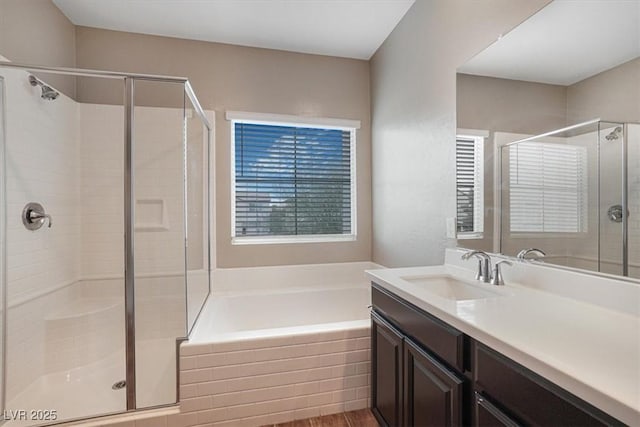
(294, 121)
(480, 138)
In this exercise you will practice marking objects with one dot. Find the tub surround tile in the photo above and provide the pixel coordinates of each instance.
(182, 420)
(196, 404)
(276, 380)
(152, 422)
(332, 408)
(194, 349)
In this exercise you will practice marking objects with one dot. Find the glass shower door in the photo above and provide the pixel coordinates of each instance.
(197, 190)
(93, 240)
(64, 245)
(159, 238)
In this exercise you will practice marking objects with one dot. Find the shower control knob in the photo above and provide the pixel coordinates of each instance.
(615, 213)
(34, 217)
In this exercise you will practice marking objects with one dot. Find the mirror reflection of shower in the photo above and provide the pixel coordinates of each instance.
(614, 134)
(48, 93)
(573, 192)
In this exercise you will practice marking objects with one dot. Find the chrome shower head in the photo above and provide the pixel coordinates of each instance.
(614, 134)
(48, 92)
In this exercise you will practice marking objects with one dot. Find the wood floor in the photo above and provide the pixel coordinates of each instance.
(361, 418)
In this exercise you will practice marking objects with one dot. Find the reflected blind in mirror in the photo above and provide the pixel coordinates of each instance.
(547, 188)
(469, 185)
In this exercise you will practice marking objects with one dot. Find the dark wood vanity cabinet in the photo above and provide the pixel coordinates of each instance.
(386, 348)
(411, 385)
(427, 373)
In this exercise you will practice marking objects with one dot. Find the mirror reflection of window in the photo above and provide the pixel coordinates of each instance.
(547, 188)
(470, 186)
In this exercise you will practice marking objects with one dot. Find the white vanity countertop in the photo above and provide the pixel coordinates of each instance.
(591, 351)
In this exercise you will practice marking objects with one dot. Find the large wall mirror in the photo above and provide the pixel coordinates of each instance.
(548, 147)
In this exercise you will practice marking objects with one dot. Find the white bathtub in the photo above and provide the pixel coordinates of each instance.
(275, 344)
(281, 313)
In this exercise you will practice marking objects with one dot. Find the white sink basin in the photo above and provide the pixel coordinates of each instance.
(451, 288)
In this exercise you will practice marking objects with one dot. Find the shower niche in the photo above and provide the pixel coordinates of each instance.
(97, 304)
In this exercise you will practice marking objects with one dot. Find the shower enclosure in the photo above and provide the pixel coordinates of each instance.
(575, 194)
(104, 251)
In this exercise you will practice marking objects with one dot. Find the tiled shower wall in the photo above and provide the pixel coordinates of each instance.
(41, 166)
(158, 183)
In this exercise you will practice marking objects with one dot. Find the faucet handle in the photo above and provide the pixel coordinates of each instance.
(496, 278)
(484, 264)
(522, 255)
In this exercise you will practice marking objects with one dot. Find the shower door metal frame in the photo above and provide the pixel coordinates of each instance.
(3, 249)
(625, 200)
(129, 236)
(129, 206)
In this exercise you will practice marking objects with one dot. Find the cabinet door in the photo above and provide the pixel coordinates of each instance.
(433, 395)
(386, 361)
(487, 415)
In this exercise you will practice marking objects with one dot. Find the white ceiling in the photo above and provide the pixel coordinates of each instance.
(564, 43)
(346, 28)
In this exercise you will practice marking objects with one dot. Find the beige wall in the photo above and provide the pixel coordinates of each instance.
(509, 105)
(611, 95)
(227, 77)
(413, 78)
(36, 32)
(493, 104)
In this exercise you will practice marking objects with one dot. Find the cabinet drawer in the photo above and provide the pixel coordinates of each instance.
(487, 415)
(443, 340)
(531, 398)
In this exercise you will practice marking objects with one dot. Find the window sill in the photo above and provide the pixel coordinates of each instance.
(469, 236)
(550, 235)
(276, 240)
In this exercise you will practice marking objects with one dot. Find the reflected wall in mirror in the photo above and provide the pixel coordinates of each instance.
(572, 62)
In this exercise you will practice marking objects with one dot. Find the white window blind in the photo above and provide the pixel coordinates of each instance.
(470, 185)
(547, 188)
(292, 180)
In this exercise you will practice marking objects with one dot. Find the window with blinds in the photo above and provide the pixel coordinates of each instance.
(547, 188)
(470, 186)
(292, 180)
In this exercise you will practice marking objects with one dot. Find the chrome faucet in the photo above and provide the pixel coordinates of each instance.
(484, 265)
(497, 279)
(522, 255)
